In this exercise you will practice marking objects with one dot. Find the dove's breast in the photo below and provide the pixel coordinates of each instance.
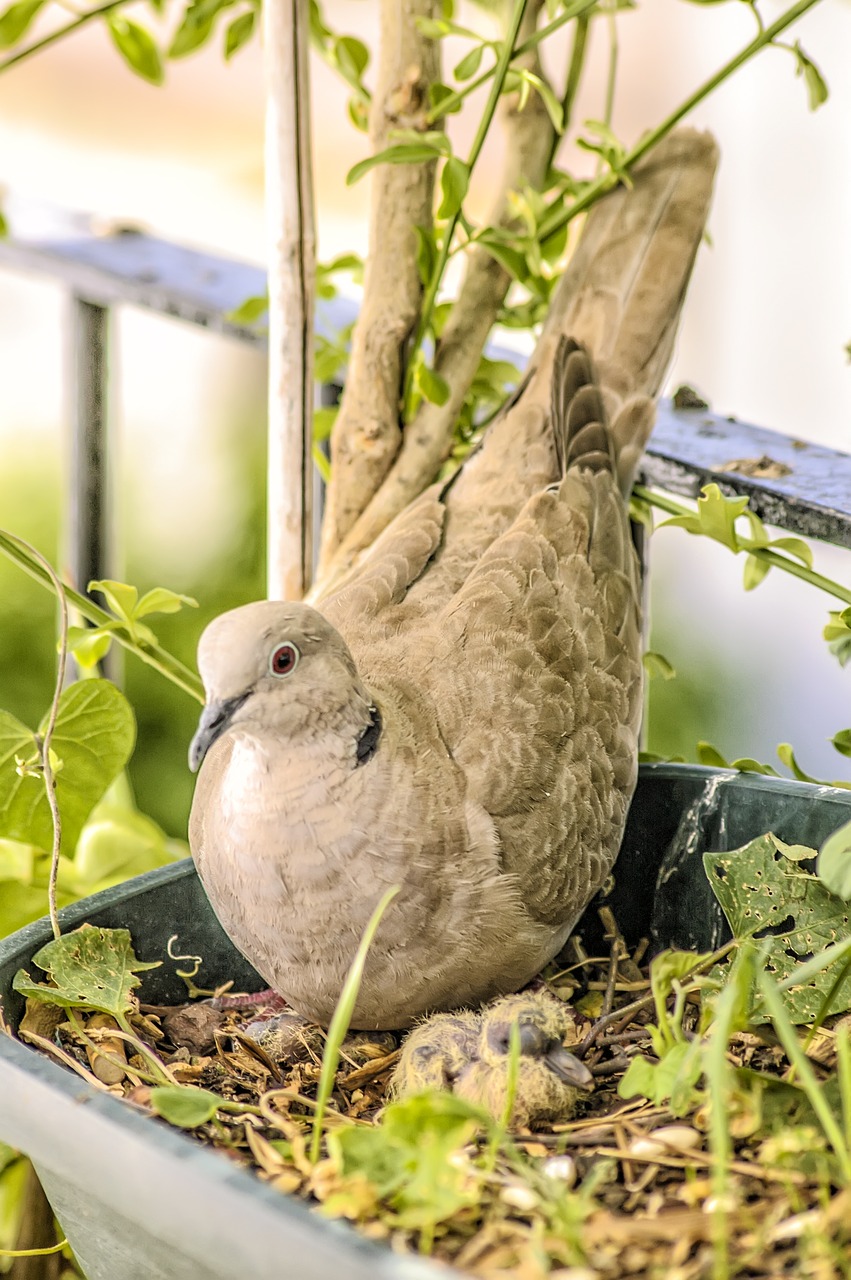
(296, 849)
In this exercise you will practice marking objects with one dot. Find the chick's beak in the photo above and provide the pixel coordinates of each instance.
(568, 1068)
(215, 718)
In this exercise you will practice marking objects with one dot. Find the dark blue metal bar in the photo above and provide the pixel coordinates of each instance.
(808, 493)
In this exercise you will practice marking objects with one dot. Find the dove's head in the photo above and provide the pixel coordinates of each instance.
(280, 669)
(543, 1023)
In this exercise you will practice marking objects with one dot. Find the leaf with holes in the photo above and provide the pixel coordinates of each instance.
(94, 736)
(765, 891)
(90, 968)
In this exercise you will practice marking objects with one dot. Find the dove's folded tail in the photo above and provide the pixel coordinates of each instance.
(582, 410)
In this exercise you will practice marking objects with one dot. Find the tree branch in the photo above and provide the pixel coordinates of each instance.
(292, 271)
(367, 434)
(530, 143)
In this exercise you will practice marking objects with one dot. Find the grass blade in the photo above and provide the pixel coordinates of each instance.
(341, 1019)
(788, 1038)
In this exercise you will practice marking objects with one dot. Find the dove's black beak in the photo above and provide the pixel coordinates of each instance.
(215, 718)
(568, 1068)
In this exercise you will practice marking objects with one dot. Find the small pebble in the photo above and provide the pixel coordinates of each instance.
(193, 1027)
(561, 1169)
(670, 1140)
(519, 1197)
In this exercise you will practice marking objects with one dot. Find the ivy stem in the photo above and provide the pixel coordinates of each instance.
(60, 33)
(773, 558)
(454, 100)
(500, 72)
(154, 655)
(560, 217)
(45, 738)
(574, 75)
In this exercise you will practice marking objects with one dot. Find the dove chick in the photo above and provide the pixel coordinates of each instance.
(458, 719)
(469, 1054)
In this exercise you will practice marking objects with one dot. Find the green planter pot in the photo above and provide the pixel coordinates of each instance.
(139, 1200)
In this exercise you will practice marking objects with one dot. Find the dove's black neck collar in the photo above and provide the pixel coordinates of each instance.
(367, 743)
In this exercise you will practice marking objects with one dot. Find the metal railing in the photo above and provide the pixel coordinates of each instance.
(807, 491)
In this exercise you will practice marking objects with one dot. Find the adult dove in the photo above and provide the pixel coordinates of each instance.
(461, 720)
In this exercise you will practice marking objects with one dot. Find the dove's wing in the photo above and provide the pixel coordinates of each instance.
(537, 674)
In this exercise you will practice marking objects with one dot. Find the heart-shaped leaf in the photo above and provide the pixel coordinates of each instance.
(92, 742)
(90, 968)
(185, 1106)
(766, 893)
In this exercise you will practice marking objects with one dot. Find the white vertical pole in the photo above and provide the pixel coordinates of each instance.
(291, 267)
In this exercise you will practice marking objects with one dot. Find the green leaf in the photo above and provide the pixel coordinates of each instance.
(454, 181)
(15, 21)
(90, 968)
(817, 91)
(137, 47)
(117, 842)
(838, 635)
(765, 893)
(196, 27)
(756, 569)
(323, 421)
(431, 384)
(352, 57)
(508, 257)
(399, 153)
(657, 665)
(709, 755)
(94, 736)
(161, 600)
(438, 94)
(408, 1160)
(184, 1105)
(249, 311)
(715, 517)
(834, 862)
(470, 63)
(842, 742)
(426, 253)
(358, 114)
(89, 645)
(787, 756)
(679, 1070)
(120, 596)
(322, 464)
(549, 99)
(239, 32)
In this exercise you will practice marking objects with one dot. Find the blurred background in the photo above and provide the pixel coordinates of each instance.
(763, 337)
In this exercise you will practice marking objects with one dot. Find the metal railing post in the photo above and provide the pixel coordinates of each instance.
(86, 532)
(87, 520)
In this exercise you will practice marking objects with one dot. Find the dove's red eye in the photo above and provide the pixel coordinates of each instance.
(284, 659)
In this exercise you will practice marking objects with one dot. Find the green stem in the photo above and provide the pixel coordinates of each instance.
(454, 100)
(560, 217)
(154, 655)
(774, 558)
(611, 75)
(574, 75)
(33, 1253)
(424, 320)
(60, 33)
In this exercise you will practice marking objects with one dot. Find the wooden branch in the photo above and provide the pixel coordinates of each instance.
(292, 271)
(427, 441)
(367, 432)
